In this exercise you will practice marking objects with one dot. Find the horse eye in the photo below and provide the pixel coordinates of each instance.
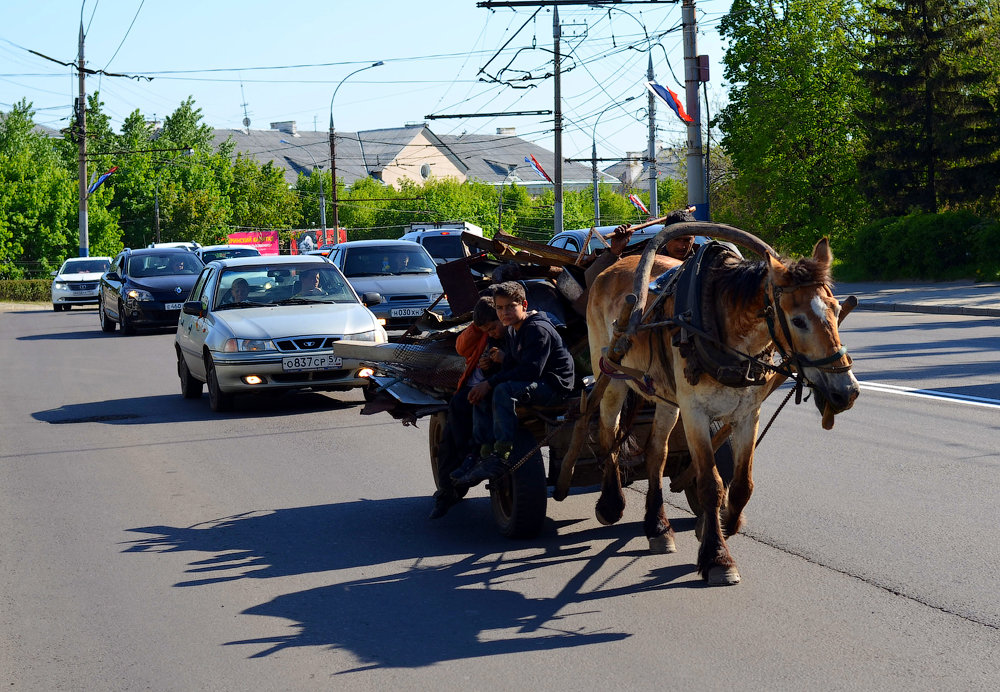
(799, 322)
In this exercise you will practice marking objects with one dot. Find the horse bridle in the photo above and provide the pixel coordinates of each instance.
(773, 310)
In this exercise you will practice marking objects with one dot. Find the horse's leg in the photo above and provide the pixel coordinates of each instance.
(743, 437)
(656, 525)
(611, 504)
(715, 564)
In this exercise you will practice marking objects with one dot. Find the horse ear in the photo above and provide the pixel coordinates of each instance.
(822, 253)
(777, 270)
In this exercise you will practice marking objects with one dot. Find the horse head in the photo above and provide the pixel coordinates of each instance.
(802, 316)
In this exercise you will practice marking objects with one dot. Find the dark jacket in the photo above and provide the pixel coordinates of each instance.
(536, 353)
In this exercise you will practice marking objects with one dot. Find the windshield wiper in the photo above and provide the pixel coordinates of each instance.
(425, 270)
(244, 304)
(298, 300)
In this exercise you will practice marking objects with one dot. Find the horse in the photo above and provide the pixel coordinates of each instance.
(760, 308)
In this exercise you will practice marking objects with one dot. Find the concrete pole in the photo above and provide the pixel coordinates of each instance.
(558, 181)
(81, 126)
(653, 195)
(597, 195)
(697, 194)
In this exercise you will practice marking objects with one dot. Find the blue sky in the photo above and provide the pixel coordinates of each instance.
(284, 61)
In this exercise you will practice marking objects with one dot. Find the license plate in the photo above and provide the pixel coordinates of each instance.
(82, 293)
(302, 363)
(173, 306)
(406, 312)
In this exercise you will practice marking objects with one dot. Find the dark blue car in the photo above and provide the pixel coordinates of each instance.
(146, 288)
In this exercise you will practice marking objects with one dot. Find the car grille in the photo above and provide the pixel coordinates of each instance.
(77, 286)
(417, 296)
(306, 343)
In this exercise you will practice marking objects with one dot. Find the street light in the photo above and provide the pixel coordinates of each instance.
(322, 197)
(510, 171)
(333, 148)
(593, 153)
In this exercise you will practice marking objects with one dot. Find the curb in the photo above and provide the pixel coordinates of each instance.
(929, 309)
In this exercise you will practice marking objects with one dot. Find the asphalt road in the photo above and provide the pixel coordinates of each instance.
(150, 544)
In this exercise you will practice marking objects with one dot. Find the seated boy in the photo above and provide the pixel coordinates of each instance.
(484, 332)
(536, 369)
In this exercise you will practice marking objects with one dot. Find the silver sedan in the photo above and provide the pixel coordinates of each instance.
(257, 324)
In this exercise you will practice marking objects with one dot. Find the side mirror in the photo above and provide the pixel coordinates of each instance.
(371, 298)
(193, 307)
(53, 273)
(113, 276)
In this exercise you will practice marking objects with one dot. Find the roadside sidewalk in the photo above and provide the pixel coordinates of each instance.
(943, 298)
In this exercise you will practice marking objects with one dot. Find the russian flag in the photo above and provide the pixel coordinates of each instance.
(671, 99)
(537, 166)
(637, 203)
(100, 181)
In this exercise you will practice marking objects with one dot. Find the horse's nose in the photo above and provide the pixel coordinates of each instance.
(843, 399)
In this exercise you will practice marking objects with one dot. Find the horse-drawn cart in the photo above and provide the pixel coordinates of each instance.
(416, 375)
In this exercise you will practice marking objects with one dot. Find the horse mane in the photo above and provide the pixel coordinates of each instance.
(741, 279)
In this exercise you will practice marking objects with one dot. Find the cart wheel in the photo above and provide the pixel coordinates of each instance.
(519, 498)
(437, 432)
(723, 462)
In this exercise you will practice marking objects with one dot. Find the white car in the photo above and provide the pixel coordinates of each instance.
(186, 244)
(260, 324)
(209, 253)
(76, 282)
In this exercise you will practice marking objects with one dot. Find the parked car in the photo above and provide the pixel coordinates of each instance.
(401, 271)
(76, 281)
(146, 288)
(268, 323)
(210, 253)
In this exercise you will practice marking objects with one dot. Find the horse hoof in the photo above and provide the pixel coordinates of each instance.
(658, 545)
(723, 576)
(603, 520)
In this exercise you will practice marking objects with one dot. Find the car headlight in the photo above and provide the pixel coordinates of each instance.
(237, 345)
(361, 336)
(60, 285)
(138, 294)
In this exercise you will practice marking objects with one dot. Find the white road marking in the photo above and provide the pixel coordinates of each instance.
(932, 394)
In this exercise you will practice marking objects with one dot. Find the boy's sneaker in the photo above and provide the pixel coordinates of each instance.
(443, 501)
(488, 469)
(470, 460)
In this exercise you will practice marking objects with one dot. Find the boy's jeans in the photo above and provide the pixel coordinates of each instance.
(503, 400)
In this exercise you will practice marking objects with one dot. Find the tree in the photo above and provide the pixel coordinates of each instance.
(931, 125)
(788, 128)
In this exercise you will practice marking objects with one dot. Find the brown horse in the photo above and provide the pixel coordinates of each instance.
(760, 307)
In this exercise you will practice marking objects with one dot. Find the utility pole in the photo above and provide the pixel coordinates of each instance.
(558, 215)
(653, 193)
(697, 194)
(81, 132)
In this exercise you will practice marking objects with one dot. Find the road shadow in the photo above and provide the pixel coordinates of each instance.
(454, 597)
(173, 408)
(95, 333)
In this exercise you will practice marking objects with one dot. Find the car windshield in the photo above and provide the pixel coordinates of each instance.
(210, 255)
(167, 264)
(444, 246)
(83, 266)
(263, 286)
(386, 260)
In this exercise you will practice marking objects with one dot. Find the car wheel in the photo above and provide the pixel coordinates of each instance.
(190, 386)
(107, 324)
(127, 328)
(56, 308)
(217, 399)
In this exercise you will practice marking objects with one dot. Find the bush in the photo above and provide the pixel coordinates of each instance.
(26, 290)
(945, 246)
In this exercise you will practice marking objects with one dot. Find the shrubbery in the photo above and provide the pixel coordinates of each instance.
(25, 290)
(946, 246)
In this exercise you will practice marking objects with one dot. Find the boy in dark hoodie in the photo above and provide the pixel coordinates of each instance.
(536, 368)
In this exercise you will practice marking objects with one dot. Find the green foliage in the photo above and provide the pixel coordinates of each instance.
(950, 245)
(931, 125)
(786, 128)
(25, 290)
